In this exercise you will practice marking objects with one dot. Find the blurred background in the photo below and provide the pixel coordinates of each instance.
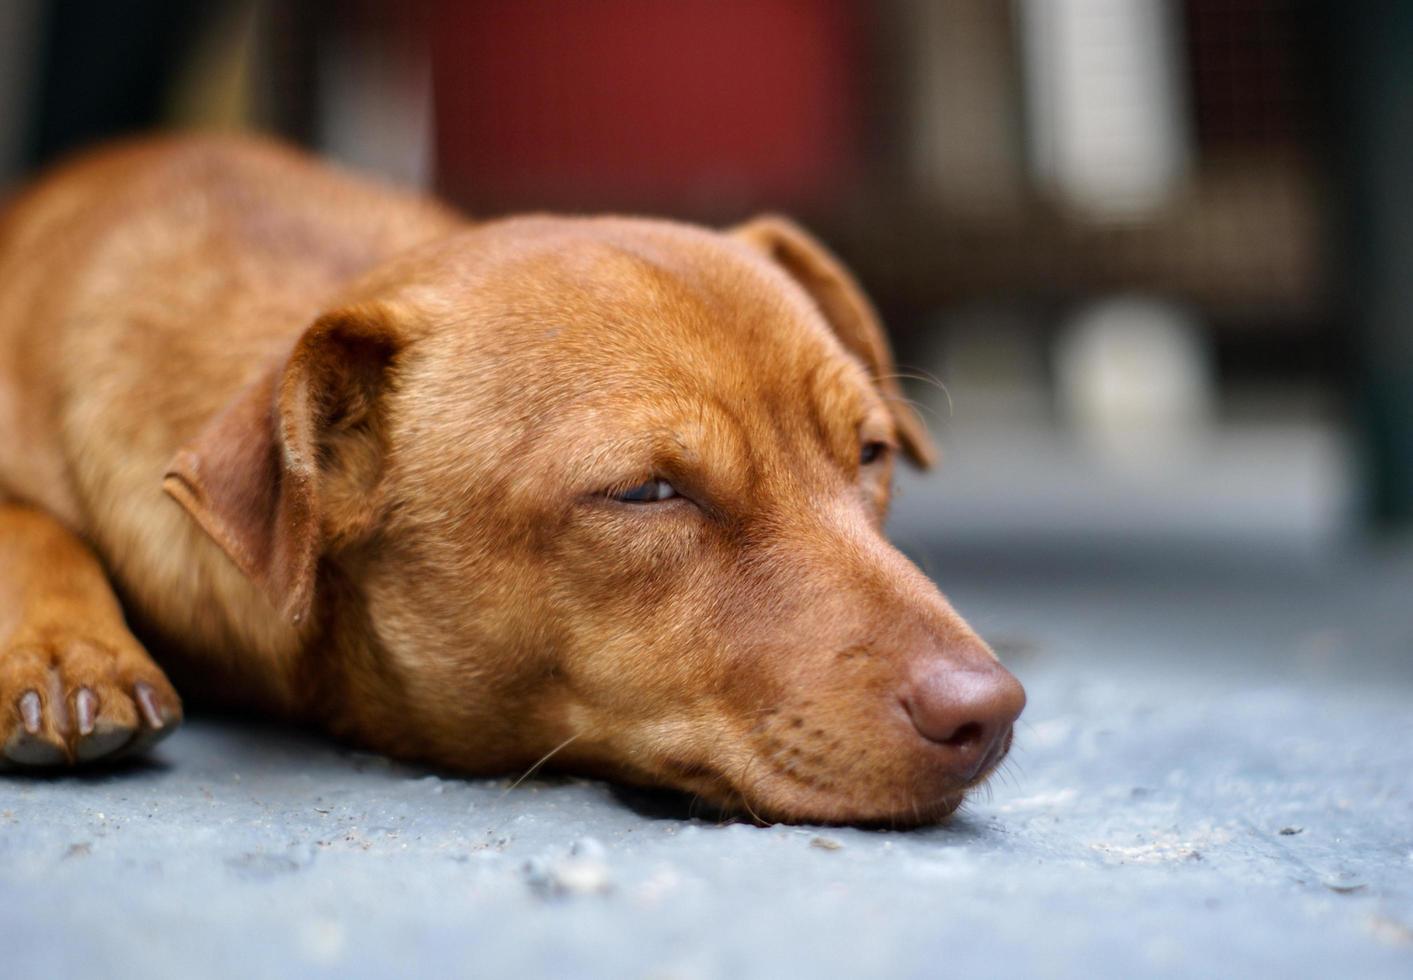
(1149, 261)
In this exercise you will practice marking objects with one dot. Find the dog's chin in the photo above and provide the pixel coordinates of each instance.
(896, 814)
(921, 801)
(876, 807)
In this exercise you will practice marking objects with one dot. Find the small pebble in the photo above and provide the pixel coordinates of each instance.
(567, 877)
(588, 847)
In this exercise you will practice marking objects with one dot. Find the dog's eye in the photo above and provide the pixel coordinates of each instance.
(872, 452)
(648, 493)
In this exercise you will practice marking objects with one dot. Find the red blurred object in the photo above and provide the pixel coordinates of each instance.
(689, 105)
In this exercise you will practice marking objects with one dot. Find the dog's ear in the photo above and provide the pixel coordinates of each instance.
(842, 301)
(291, 466)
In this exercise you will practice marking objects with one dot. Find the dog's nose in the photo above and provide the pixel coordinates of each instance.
(967, 709)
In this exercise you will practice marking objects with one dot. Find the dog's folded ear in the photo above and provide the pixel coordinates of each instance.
(291, 466)
(842, 302)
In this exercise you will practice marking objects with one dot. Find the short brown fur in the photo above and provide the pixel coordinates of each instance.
(350, 459)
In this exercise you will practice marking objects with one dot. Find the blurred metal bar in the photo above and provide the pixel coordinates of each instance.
(19, 30)
(1373, 75)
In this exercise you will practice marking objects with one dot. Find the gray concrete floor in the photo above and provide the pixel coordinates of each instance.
(1214, 778)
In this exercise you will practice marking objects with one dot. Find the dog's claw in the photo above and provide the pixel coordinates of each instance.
(147, 702)
(85, 710)
(31, 712)
(159, 719)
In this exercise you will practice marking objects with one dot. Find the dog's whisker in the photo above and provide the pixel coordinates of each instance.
(744, 789)
(999, 774)
(923, 377)
(761, 821)
(542, 760)
(906, 373)
(921, 407)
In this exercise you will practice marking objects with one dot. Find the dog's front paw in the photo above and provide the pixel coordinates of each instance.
(71, 695)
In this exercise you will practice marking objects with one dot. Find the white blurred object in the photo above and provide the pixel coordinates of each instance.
(1107, 117)
(1133, 378)
(375, 108)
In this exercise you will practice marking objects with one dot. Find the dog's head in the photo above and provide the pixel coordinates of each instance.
(613, 489)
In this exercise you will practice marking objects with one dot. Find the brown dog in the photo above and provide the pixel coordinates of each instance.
(607, 489)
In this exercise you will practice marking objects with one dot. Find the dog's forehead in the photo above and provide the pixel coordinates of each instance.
(628, 281)
(564, 303)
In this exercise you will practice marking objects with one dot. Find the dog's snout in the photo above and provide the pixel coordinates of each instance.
(967, 709)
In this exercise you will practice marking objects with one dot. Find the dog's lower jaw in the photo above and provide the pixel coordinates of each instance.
(770, 799)
(899, 814)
